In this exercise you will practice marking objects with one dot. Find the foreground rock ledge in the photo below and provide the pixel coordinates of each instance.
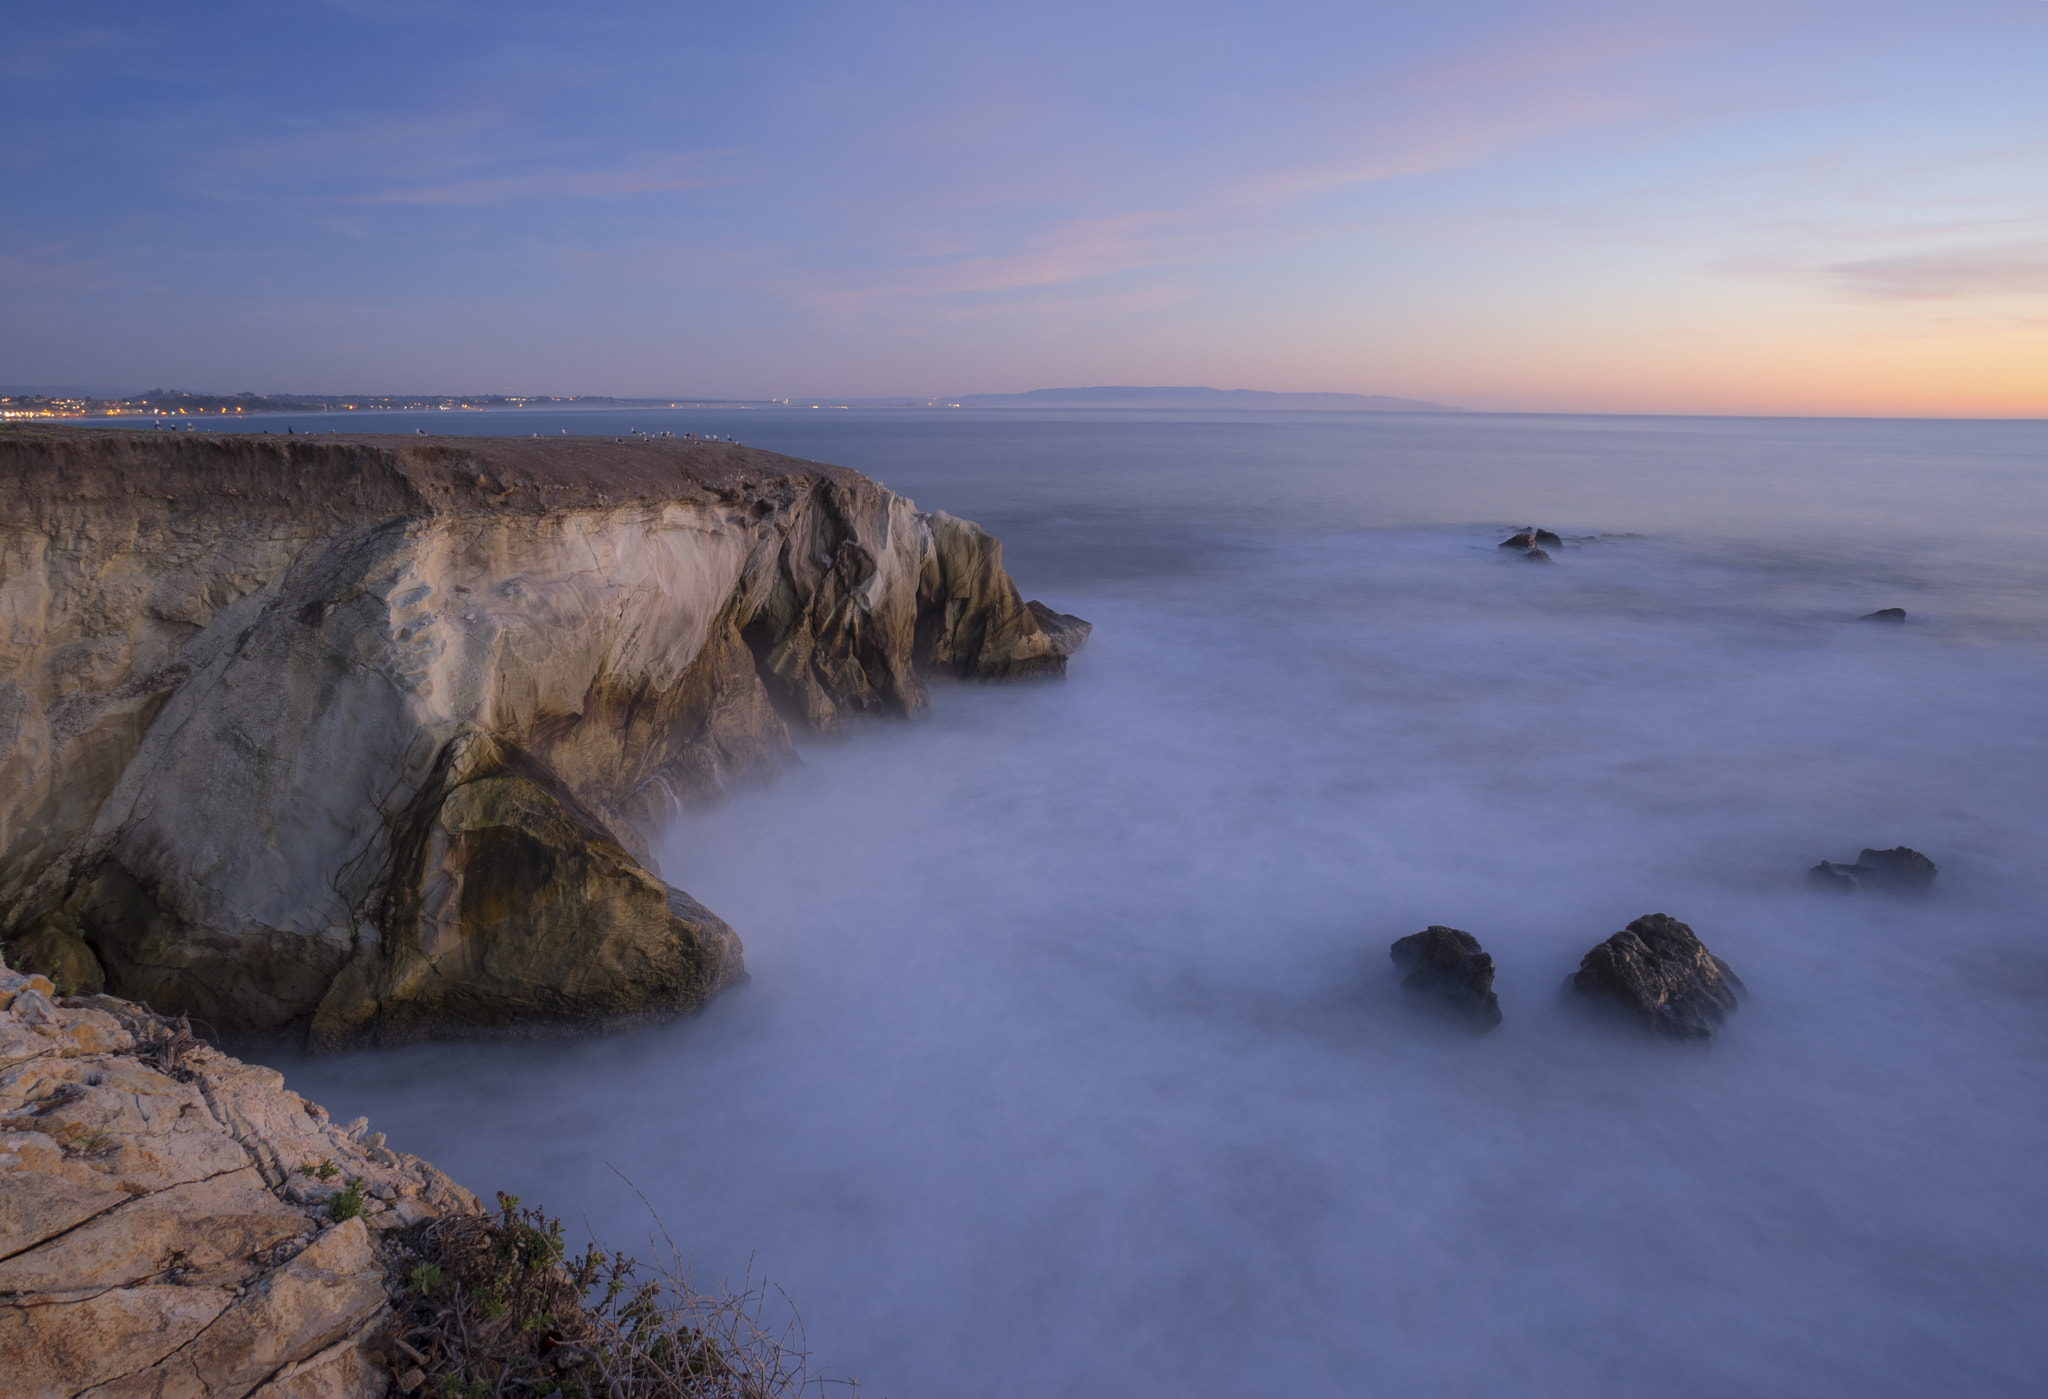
(167, 1216)
(356, 736)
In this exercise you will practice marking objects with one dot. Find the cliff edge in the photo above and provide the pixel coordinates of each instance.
(358, 735)
(173, 1221)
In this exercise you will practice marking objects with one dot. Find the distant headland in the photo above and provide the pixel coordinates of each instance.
(1126, 396)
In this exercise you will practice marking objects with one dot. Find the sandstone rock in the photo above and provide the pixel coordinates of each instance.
(1660, 972)
(511, 901)
(13, 983)
(1895, 871)
(1894, 616)
(392, 670)
(38, 1204)
(1066, 632)
(329, 1291)
(1537, 556)
(1450, 974)
(197, 1227)
(53, 1346)
(348, 1369)
(1531, 538)
(144, 1246)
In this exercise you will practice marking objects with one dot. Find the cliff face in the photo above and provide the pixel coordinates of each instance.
(359, 734)
(169, 1220)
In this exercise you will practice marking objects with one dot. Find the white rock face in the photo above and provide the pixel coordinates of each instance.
(356, 734)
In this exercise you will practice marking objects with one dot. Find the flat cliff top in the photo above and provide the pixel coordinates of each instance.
(372, 473)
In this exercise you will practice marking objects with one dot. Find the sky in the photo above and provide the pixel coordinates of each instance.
(1729, 207)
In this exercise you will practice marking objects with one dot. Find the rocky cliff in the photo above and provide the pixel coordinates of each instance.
(360, 735)
(175, 1222)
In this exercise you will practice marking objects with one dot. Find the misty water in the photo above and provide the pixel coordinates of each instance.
(1073, 1062)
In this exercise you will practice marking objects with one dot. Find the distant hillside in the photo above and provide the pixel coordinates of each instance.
(1131, 397)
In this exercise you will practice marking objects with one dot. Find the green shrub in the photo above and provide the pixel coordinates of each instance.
(349, 1204)
(496, 1306)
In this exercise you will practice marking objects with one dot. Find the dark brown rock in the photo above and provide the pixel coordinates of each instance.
(1894, 616)
(1449, 974)
(1896, 871)
(1660, 972)
(1831, 878)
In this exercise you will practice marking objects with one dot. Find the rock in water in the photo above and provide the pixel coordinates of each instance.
(1531, 542)
(1449, 973)
(1895, 871)
(1898, 868)
(1831, 878)
(1896, 616)
(1658, 969)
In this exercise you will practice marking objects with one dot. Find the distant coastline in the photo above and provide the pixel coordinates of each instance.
(31, 404)
(1131, 396)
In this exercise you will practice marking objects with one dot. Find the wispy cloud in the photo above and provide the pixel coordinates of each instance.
(54, 268)
(659, 174)
(2001, 270)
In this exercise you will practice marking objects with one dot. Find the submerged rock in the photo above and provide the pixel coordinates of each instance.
(1896, 871)
(1449, 974)
(1658, 970)
(1538, 556)
(1895, 616)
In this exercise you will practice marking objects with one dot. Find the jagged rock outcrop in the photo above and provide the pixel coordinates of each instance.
(1660, 972)
(173, 1221)
(1448, 974)
(1896, 871)
(359, 734)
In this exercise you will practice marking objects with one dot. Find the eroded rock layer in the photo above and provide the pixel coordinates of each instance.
(174, 1221)
(359, 734)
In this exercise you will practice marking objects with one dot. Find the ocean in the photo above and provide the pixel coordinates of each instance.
(1073, 1061)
